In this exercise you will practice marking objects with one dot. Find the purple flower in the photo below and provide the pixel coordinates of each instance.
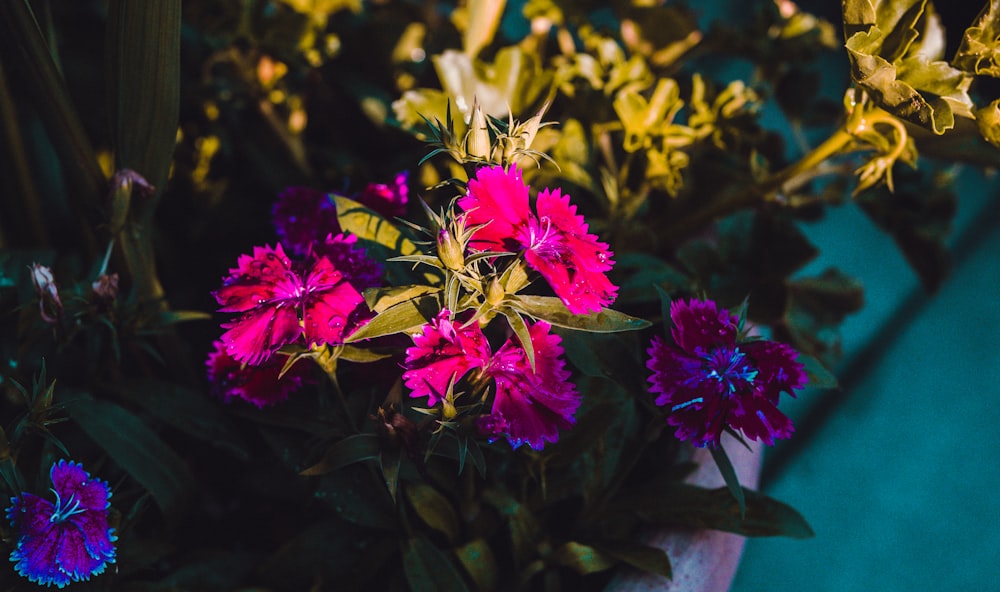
(302, 216)
(556, 242)
(389, 200)
(529, 406)
(342, 250)
(67, 541)
(257, 385)
(710, 379)
(279, 303)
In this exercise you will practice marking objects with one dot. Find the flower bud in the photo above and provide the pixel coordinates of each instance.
(450, 251)
(494, 292)
(49, 305)
(106, 288)
(477, 141)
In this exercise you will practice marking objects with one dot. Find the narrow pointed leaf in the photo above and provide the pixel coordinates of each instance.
(350, 450)
(137, 449)
(729, 474)
(552, 310)
(404, 317)
(428, 569)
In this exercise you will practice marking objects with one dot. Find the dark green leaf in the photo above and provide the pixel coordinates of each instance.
(648, 559)
(643, 271)
(350, 450)
(819, 376)
(477, 559)
(389, 461)
(583, 559)
(519, 520)
(358, 495)
(686, 505)
(144, 59)
(434, 509)
(188, 411)
(136, 448)
(729, 475)
(552, 310)
(428, 569)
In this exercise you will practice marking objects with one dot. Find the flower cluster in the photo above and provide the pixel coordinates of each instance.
(305, 290)
(66, 541)
(710, 380)
(530, 405)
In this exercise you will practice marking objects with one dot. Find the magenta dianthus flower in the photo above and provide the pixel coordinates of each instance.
(529, 406)
(68, 541)
(711, 380)
(388, 199)
(555, 242)
(258, 385)
(280, 303)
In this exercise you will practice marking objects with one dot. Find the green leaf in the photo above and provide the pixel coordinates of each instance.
(819, 376)
(434, 509)
(980, 49)
(380, 299)
(583, 559)
(189, 411)
(360, 355)
(680, 504)
(477, 559)
(350, 450)
(520, 329)
(358, 496)
(427, 569)
(51, 100)
(370, 226)
(889, 44)
(389, 461)
(988, 120)
(144, 96)
(406, 316)
(648, 559)
(729, 475)
(137, 449)
(519, 520)
(552, 310)
(172, 317)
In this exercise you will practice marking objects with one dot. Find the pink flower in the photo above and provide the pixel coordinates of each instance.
(556, 242)
(280, 304)
(258, 385)
(529, 406)
(444, 352)
(711, 380)
(534, 404)
(389, 200)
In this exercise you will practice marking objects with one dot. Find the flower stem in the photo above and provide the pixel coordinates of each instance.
(761, 192)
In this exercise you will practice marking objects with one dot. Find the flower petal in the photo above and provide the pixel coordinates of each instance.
(71, 481)
(258, 385)
(36, 557)
(535, 405)
(330, 304)
(302, 216)
(256, 335)
(699, 325)
(443, 352)
(778, 369)
(254, 280)
(499, 199)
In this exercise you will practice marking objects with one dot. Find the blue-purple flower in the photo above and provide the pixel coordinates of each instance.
(711, 379)
(66, 541)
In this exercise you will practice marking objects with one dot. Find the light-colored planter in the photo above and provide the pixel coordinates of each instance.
(702, 560)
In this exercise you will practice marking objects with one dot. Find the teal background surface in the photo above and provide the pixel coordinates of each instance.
(898, 472)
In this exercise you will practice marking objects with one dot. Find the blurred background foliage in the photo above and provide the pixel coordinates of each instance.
(697, 138)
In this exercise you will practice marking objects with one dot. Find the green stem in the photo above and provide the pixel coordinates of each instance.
(760, 192)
